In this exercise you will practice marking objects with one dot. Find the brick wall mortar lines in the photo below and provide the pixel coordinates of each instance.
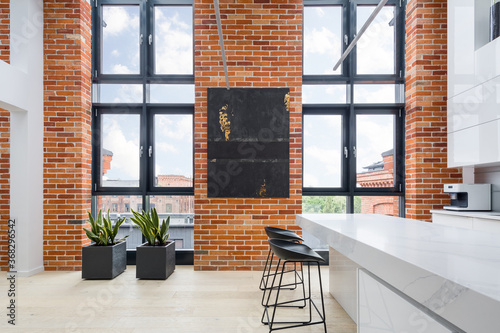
(264, 49)
(67, 135)
(426, 113)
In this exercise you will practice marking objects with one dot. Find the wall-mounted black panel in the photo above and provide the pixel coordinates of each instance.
(248, 142)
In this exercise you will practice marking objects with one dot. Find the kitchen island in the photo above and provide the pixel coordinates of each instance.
(398, 274)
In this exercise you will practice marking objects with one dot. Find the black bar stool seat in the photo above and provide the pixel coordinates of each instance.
(292, 252)
(286, 250)
(278, 233)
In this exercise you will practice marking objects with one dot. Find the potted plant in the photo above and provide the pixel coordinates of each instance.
(106, 257)
(155, 259)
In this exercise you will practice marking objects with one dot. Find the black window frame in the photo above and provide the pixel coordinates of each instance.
(349, 110)
(146, 109)
(146, 77)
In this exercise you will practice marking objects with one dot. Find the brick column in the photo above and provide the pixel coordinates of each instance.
(67, 136)
(263, 42)
(4, 138)
(426, 127)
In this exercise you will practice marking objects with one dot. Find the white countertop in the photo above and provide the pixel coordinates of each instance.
(454, 272)
(464, 213)
(467, 257)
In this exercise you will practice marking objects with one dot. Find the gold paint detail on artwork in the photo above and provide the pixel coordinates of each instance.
(225, 124)
(287, 101)
(263, 190)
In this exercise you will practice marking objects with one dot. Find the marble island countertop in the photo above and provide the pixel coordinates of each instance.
(434, 264)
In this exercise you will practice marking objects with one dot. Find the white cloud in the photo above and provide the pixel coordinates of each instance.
(367, 93)
(327, 156)
(310, 180)
(129, 93)
(121, 69)
(118, 19)
(319, 11)
(376, 46)
(175, 127)
(115, 53)
(164, 147)
(125, 162)
(375, 136)
(322, 41)
(158, 169)
(174, 45)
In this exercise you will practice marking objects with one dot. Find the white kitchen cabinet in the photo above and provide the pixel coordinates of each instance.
(473, 86)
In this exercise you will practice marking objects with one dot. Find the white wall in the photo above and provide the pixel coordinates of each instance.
(21, 92)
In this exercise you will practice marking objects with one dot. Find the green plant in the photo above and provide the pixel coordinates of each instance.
(102, 231)
(149, 223)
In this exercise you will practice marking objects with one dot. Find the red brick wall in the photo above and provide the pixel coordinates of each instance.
(67, 137)
(5, 30)
(426, 89)
(263, 40)
(4, 138)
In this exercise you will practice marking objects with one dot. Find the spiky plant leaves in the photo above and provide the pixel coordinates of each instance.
(149, 224)
(102, 231)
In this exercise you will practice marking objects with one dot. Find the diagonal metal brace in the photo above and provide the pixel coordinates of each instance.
(360, 33)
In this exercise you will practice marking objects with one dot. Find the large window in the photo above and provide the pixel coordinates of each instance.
(143, 110)
(353, 117)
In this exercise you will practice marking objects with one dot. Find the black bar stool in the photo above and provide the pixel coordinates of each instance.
(291, 252)
(278, 233)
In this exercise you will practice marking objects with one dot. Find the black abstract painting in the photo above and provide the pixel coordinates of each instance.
(248, 142)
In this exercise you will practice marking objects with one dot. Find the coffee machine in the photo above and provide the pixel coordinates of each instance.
(469, 196)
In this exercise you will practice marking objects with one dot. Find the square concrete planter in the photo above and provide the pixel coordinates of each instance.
(155, 262)
(104, 262)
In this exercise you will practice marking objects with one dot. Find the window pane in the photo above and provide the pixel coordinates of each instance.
(375, 150)
(377, 205)
(120, 150)
(378, 93)
(119, 207)
(375, 49)
(174, 150)
(181, 212)
(324, 94)
(120, 40)
(322, 150)
(320, 204)
(117, 93)
(322, 39)
(171, 93)
(173, 40)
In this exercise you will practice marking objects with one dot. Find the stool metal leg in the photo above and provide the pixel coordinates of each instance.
(271, 321)
(298, 279)
(262, 285)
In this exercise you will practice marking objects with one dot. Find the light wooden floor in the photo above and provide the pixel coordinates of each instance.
(189, 301)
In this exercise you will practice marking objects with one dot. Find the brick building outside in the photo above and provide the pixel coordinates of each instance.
(379, 174)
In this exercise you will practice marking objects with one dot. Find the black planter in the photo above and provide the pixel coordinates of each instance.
(104, 262)
(155, 262)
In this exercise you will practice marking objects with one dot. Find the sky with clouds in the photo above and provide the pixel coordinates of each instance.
(173, 49)
(173, 134)
(323, 148)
